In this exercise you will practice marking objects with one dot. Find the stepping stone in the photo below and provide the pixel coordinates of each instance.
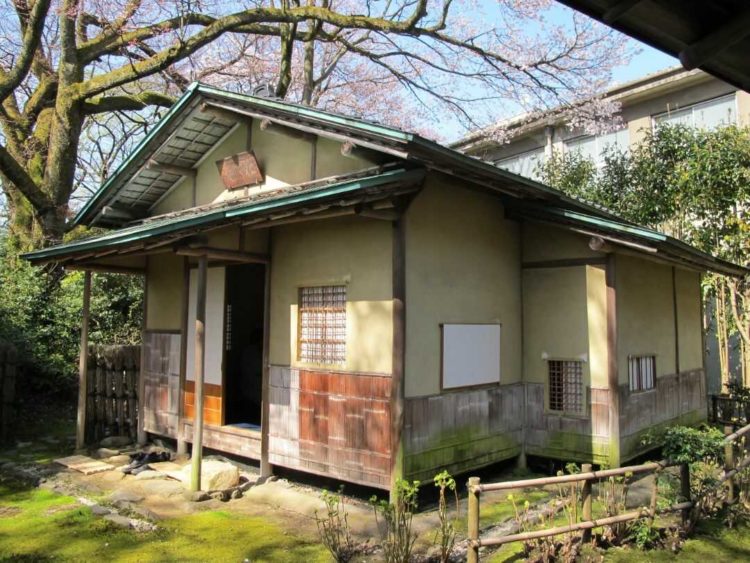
(84, 464)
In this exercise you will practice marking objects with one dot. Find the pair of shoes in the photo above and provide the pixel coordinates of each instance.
(141, 460)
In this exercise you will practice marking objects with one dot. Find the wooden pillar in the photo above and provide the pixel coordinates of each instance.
(472, 554)
(265, 465)
(399, 349)
(83, 363)
(200, 343)
(181, 442)
(142, 372)
(612, 369)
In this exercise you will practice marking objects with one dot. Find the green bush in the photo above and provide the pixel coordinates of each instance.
(685, 444)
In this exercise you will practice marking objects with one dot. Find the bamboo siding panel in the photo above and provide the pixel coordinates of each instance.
(674, 396)
(161, 382)
(112, 406)
(335, 424)
(212, 403)
(462, 430)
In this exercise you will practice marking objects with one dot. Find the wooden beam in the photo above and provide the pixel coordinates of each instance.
(200, 344)
(117, 213)
(300, 219)
(399, 351)
(278, 129)
(382, 214)
(83, 363)
(613, 378)
(352, 150)
(106, 269)
(619, 9)
(223, 254)
(707, 47)
(171, 169)
(217, 112)
(265, 465)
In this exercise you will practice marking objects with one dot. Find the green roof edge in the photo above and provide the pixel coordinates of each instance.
(232, 212)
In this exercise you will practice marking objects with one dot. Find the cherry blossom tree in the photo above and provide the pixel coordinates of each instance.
(80, 78)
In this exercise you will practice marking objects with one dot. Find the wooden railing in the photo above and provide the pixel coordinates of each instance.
(731, 469)
(729, 410)
(8, 373)
(112, 392)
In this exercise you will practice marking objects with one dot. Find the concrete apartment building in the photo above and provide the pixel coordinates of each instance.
(670, 96)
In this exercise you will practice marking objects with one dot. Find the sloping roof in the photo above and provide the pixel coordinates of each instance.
(186, 135)
(270, 202)
(710, 35)
(631, 236)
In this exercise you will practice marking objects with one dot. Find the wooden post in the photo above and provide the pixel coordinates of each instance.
(182, 448)
(729, 464)
(200, 342)
(472, 554)
(612, 373)
(265, 465)
(142, 436)
(399, 351)
(685, 490)
(83, 363)
(586, 502)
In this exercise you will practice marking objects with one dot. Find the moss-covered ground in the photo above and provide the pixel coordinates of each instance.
(40, 525)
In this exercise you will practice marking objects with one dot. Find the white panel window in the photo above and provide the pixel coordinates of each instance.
(594, 147)
(705, 115)
(214, 349)
(471, 355)
(525, 164)
(641, 372)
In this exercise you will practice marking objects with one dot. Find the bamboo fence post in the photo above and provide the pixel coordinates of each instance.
(729, 464)
(685, 490)
(586, 502)
(473, 517)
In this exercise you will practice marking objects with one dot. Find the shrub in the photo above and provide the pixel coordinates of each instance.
(394, 520)
(333, 528)
(446, 534)
(684, 444)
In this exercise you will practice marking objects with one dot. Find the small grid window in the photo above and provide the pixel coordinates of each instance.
(641, 372)
(566, 386)
(322, 325)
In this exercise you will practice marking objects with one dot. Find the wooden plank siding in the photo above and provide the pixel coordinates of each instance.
(160, 403)
(331, 423)
(462, 430)
(230, 439)
(676, 399)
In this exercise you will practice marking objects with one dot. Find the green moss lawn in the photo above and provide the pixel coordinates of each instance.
(40, 525)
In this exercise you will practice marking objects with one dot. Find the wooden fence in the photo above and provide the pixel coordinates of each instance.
(112, 398)
(8, 372)
(724, 409)
(588, 478)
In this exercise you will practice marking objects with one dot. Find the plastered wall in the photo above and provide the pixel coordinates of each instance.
(352, 251)
(284, 160)
(164, 284)
(690, 323)
(645, 313)
(555, 319)
(462, 266)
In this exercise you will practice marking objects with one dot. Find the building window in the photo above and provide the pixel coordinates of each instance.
(322, 325)
(705, 115)
(641, 372)
(525, 164)
(594, 147)
(566, 386)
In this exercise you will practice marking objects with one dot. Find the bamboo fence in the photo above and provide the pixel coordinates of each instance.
(112, 392)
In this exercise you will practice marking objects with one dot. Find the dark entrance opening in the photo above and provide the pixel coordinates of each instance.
(243, 345)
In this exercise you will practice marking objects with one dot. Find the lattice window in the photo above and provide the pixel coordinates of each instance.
(322, 325)
(566, 386)
(642, 372)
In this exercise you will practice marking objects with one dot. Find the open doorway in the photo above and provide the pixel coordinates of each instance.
(243, 345)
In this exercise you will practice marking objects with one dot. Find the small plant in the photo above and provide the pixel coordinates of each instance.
(446, 534)
(333, 528)
(643, 533)
(613, 493)
(685, 444)
(394, 521)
